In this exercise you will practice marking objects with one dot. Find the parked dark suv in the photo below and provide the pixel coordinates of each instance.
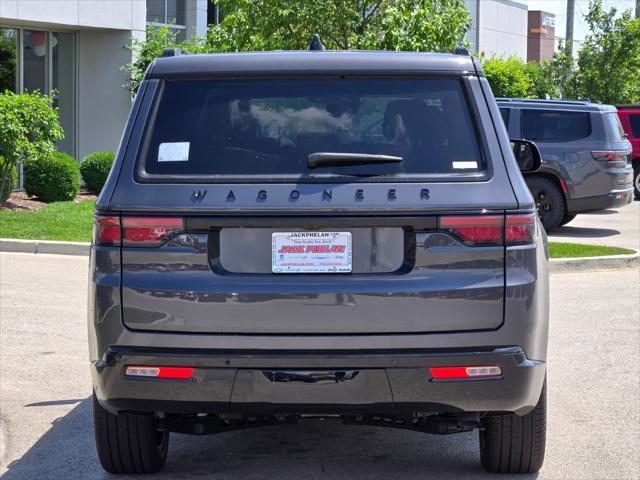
(630, 119)
(335, 234)
(586, 158)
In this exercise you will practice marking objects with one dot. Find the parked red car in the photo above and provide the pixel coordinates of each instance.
(630, 119)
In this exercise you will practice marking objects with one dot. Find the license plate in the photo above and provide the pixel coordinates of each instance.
(311, 252)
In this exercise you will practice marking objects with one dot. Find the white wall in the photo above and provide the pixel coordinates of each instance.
(113, 14)
(502, 28)
(103, 103)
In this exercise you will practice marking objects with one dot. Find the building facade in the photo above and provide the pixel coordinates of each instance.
(541, 36)
(498, 28)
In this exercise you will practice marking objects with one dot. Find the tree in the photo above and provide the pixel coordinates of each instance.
(553, 78)
(29, 129)
(609, 60)
(508, 77)
(412, 25)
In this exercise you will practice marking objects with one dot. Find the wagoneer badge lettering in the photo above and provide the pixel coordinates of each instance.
(327, 195)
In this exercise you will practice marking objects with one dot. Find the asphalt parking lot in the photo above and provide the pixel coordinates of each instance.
(45, 414)
(615, 227)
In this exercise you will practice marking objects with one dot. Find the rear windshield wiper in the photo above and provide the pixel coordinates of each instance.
(325, 159)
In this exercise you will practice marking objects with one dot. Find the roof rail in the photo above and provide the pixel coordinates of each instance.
(557, 101)
(173, 52)
(460, 50)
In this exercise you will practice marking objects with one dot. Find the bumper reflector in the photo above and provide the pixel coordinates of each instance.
(457, 373)
(175, 373)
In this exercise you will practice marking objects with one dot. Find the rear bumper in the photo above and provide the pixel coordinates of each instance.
(614, 199)
(375, 381)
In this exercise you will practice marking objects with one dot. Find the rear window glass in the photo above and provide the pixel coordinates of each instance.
(615, 127)
(264, 130)
(506, 113)
(555, 125)
(635, 125)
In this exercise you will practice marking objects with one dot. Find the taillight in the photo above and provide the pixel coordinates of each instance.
(520, 229)
(610, 156)
(461, 373)
(170, 373)
(479, 230)
(106, 230)
(149, 231)
(475, 230)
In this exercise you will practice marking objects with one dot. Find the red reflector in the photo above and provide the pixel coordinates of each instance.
(149, 231)
(106, 230)
(520, 229)
(450, 373)
(475, 230)
(176, 373)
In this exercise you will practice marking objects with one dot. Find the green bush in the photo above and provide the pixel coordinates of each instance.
(53, 179)
(8, 183)
(95, 169)
(508, 77)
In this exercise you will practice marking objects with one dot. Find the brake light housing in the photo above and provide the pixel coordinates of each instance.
(465, 372)
(487, 230)
(134, 231)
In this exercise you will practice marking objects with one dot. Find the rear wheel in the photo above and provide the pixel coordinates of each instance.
(513, 444)
(549, 201)
(127, 442)
(567, 218)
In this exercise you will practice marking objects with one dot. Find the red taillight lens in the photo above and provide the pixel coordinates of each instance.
(106, 230)
(520, 229)
(475, 230)
(461, 373)
(174, 373)
(610, 155)
(149, 231)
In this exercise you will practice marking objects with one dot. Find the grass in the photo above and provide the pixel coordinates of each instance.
(68, 221)
(572, 250)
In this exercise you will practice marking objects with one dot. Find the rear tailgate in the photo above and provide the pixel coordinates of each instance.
(406, 277)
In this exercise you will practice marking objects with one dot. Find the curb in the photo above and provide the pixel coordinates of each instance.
(44, 246)
(582, 264)
(556, 265)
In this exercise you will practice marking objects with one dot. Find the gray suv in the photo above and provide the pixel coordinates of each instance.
(586, 157)
(343, 235)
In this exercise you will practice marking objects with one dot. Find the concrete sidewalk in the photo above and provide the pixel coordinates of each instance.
(614, 228)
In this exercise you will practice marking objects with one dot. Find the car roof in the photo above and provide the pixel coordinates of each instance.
(581, 105)
(311, 62)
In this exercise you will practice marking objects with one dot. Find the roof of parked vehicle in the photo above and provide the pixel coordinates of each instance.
(310, 62)
(556, 104)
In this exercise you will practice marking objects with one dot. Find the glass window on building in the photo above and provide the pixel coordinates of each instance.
(35, 53)
(63, 86)
(8, 59)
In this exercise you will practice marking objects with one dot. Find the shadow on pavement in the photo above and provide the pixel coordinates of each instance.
(312, 449)
(583, 232)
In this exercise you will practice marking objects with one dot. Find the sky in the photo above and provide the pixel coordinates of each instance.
(559, 7)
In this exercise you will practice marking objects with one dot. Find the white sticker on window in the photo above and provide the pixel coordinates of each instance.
(464, 165)
(173, 152)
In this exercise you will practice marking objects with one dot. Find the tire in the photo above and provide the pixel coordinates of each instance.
(513, 444)
(549, 201)
(128, 443)
(567, 218)
(636, 178)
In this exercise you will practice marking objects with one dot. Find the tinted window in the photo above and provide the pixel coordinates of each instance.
(555, 125)
(506, 113)
(615, 127)
(265, 129)
(635, 124)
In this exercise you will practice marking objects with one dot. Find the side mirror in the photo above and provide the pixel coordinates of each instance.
(527, 155)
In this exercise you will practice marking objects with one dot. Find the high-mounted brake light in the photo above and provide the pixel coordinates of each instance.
(466, 372)
(149, 231)
(475, 230)
(106, 230)
(173, 373)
